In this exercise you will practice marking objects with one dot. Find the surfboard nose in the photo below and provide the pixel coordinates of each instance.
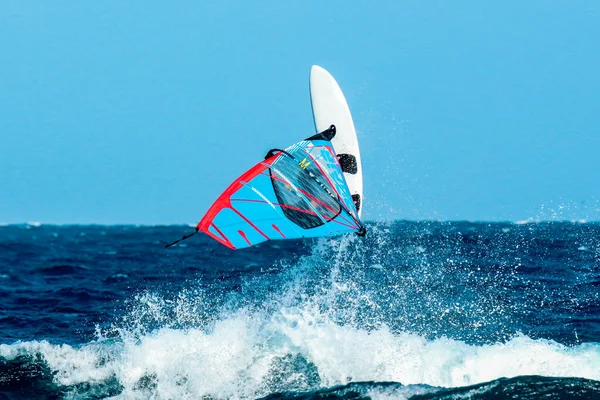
(317, 71)
(316, 68)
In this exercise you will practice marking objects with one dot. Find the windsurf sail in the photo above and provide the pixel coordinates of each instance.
(293, 193)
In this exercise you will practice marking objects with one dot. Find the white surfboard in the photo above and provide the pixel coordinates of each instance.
(330, 108)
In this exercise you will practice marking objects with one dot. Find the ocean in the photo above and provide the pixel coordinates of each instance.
(415, 310)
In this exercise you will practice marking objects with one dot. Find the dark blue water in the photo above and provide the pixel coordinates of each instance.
(414, 310)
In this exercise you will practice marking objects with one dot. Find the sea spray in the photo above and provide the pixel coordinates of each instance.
(429, 307)
(239, 358)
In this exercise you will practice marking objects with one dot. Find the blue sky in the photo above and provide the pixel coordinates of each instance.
(143, 112)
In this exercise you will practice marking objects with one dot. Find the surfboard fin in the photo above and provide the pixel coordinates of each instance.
(327, 134)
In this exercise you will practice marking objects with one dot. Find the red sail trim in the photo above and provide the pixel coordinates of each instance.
(250, 223)
(242, 234)
(284, 206)
(223, 239)
(279, 205)
(326, 206)
(301, 210)
(332, 154)
(323, 204)
(278, 230)
(212, 225)
(224, 199)
(330, 209)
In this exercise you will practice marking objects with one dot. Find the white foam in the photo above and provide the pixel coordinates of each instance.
(526, 221)
(70, 365)
(236, 356)
(343, 354)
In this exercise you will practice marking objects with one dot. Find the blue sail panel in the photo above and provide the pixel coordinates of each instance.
(292, 194)
(326, 163)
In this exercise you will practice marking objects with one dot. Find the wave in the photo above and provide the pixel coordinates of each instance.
(524, 388)
(327, 325)
(250, 354)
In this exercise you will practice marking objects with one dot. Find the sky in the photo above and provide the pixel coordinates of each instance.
(143, 112)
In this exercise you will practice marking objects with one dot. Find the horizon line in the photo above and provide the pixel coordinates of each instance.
(518, 222)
